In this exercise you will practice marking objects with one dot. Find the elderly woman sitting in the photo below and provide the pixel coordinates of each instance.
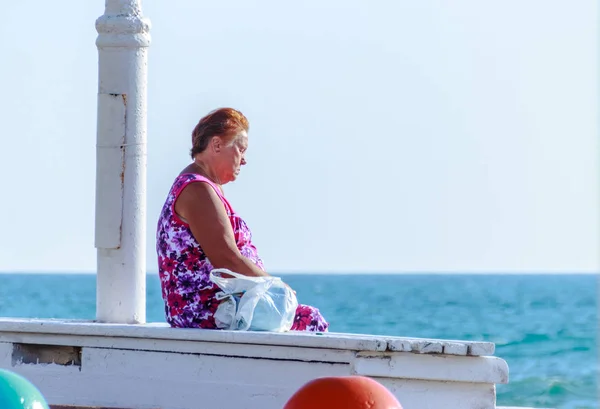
(198, 230)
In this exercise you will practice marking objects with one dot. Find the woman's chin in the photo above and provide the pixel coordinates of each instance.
(233, 178)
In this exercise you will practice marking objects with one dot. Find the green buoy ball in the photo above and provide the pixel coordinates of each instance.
(17, 392)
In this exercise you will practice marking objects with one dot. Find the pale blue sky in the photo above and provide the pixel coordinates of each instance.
(391, 136)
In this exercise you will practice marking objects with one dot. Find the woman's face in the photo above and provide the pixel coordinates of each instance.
(231, 157)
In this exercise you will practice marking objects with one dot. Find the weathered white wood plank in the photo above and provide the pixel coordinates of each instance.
(481, 348)
(144, 380)
(194, 347)
(433, 346)
(455, 348)
(358, 342)
(297, 339)
(121, 363)
(141, 379)
(427, 347)
(420, 394)
(368, 363)
(487, 369)
(449, 347)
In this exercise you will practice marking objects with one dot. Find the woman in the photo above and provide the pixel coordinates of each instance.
(198, 230)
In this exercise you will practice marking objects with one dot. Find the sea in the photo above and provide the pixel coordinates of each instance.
(544, 326)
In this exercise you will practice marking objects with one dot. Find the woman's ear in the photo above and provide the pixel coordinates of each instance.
(216, 144)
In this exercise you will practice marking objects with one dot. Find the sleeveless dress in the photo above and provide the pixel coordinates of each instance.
(184, 269)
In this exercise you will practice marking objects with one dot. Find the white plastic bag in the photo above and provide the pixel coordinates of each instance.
(260, 303)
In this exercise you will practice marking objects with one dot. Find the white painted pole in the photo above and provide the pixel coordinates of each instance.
(123, 40)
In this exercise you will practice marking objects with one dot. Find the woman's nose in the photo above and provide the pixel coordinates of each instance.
(243, 161)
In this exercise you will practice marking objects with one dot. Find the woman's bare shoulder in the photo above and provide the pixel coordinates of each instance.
(188, 169)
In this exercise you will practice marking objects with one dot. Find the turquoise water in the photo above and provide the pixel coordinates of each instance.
(544, 326)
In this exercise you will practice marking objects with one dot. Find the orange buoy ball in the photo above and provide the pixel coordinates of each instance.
(346, 392)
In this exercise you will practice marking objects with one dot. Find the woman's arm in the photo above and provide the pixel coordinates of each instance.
(201, 207)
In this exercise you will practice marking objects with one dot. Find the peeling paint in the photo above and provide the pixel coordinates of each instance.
(39, 354)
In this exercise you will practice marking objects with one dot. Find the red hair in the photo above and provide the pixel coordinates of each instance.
(223, 122)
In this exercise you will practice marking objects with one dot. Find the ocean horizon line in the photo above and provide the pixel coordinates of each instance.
(335, 272)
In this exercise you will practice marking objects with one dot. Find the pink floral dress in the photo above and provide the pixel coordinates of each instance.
(184, 269)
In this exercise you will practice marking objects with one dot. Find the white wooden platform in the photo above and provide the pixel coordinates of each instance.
(154, 366)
